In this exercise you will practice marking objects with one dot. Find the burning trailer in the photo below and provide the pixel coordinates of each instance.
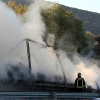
(36, 82)
(39, 84)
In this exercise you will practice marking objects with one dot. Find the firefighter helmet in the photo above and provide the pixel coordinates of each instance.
(79, 74)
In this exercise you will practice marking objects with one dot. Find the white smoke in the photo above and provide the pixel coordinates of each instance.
(10, 34)
(90, 71)
(12, 31)
(44, 60)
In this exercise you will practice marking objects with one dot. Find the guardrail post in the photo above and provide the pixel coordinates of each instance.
(54, 95)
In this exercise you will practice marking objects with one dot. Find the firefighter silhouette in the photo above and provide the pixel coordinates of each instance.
(79, 83)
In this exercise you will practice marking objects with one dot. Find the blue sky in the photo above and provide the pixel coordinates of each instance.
(90, 5)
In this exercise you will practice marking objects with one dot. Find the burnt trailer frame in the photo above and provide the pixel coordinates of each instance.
(42, 86)
(29, 58)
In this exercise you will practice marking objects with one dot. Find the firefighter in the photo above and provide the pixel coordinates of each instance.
(80, 83)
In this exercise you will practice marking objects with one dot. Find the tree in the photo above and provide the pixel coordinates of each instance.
(88, 50)
(97, 45)
(18, 8)
(65, 27)
(90, 36)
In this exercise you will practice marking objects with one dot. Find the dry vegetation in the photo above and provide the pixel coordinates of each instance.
(18, 8)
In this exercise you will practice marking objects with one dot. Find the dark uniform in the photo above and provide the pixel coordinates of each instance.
(80, 83)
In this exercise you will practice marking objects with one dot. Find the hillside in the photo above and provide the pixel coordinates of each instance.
(19, 1)
(91, 20)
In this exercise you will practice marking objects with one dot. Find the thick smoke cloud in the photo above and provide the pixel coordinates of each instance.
(10, 28)
(44, 60)
(12, 31)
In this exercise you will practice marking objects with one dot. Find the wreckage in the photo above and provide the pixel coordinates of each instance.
(39, 84)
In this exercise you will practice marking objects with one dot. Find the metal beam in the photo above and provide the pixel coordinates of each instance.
(27, 39)
(28, 54)
(65, 80)
(49, 95)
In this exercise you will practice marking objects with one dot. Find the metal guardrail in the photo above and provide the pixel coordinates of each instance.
(49, 95)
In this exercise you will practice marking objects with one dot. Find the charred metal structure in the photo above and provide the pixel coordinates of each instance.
(44, 86)
(28, 54)
(29, 58)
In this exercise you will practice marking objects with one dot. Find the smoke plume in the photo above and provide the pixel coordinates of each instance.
(43, 60)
